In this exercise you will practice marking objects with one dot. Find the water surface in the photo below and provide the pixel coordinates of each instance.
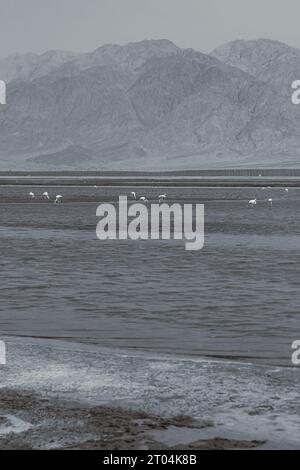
(237, 298)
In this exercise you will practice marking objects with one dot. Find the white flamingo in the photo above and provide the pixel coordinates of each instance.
(252, 202)
(286, 190)
(58, 199)
(270, 201)
(46, 195)
(133, 194)
(143, 198)
(32, 195)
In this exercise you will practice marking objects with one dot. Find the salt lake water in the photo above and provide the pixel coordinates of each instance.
(236, 299)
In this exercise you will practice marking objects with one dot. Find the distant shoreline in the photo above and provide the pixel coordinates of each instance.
(186, 178)
(141, 181)
(212, 172)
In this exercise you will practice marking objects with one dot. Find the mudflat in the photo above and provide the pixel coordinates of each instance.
(28, 421)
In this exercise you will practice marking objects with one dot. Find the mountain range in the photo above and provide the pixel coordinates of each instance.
(151, 105)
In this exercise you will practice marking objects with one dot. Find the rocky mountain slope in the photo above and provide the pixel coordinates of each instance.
(151, 105)
(271, 61)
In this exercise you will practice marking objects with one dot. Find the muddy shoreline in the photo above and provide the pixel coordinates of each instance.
(28, 421)
(64, 395)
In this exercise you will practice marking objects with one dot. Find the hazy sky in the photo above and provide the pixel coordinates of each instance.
(83, 25)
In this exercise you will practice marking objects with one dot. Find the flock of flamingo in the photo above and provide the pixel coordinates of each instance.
(45, 195)
(161, 197)
(58, 198)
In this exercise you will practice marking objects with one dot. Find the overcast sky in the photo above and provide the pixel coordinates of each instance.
(84, 25)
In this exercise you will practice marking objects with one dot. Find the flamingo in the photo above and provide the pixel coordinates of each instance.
(286, 190)
(32, 195)
(58, 199)
(270, 201)
(46, 195)
(143, 198)
(252, 202)
(133, 194)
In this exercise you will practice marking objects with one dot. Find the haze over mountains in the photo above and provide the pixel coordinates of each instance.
(151, 105)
